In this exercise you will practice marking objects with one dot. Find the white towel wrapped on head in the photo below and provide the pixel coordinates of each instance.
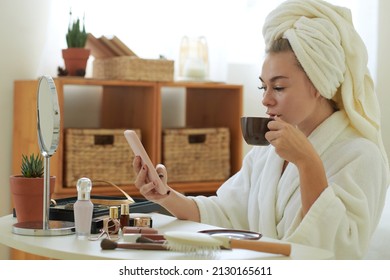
(332, 53)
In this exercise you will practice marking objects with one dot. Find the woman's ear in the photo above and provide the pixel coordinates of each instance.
(314, 90)
(317, 94)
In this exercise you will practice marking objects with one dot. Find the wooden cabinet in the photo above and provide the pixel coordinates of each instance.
(133, 105)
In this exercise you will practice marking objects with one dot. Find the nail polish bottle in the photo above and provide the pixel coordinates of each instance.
(113, 222)
(83, 208)
(125, 215)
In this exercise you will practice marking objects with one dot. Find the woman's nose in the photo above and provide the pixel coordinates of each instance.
(268, 99)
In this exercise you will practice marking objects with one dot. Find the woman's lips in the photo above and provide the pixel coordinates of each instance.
(272, 116)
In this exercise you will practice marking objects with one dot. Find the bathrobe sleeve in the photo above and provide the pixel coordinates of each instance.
(344, 217)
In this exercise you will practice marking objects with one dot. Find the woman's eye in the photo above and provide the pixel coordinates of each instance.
(275, 89)
(278, 88)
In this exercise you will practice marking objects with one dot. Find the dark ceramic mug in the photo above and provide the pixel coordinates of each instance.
(254, 129)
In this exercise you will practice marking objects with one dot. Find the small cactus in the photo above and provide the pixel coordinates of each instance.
(76, 37)
(32, 167)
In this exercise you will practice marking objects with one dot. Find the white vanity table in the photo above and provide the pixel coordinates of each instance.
(68, 247)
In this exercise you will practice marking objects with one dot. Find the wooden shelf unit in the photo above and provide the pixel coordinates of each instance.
(132, 104)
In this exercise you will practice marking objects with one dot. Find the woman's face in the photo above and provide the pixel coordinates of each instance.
(288, 92)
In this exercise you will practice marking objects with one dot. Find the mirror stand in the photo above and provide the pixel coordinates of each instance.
(48, 137)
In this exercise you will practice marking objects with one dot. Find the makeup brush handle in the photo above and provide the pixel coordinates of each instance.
(262, 246)
(141, 246)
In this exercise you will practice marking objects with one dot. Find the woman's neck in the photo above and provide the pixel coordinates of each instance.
(323, 111)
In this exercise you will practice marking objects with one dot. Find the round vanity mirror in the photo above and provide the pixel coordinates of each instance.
(48, 127)
(48, 114)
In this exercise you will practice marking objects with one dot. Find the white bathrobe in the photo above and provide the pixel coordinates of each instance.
(260, 198)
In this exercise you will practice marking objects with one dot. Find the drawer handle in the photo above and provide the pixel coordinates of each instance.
(196, 138)
(104, 140)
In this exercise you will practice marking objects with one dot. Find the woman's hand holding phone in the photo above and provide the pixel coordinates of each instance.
(151, 173)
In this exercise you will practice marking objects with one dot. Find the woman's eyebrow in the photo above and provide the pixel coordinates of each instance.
(273, 79)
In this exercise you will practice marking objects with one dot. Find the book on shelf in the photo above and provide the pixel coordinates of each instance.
(105, 46)
(109, 44)
(125, 49)
(98, 50)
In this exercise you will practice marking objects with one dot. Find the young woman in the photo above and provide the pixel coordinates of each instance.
(323, 178)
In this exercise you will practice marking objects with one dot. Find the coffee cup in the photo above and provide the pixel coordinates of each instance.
(254, 129)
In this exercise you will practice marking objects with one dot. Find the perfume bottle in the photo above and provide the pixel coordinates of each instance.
(83, 208)
(125, 215)
(113, 224)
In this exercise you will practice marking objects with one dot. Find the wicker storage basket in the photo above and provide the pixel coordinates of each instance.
(200, 154)
(99, 154)
(133, 68)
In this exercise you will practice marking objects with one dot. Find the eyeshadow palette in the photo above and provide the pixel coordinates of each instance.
(63, 210)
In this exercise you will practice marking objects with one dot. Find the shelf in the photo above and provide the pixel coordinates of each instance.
(133, 104)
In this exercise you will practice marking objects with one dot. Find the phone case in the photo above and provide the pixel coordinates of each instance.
(139, 150)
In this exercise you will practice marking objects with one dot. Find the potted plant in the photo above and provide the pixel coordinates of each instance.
(76, 55)
(27, 189)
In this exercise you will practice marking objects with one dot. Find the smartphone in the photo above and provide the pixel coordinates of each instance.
(139, 150)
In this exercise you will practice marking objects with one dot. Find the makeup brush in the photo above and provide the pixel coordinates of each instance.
(108, 244)
(201, 244)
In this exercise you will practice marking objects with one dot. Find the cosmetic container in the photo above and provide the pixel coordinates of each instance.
(125, 215)
(141, 220)
(83, 208)
(113, 222)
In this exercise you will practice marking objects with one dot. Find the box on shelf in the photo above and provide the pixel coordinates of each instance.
(196, 154)
(99, 154)
(133, 68)
(116, 61)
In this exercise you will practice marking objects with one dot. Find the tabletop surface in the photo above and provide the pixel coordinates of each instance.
(70, 247)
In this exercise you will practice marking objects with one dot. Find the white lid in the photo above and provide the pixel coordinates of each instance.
(84, 187)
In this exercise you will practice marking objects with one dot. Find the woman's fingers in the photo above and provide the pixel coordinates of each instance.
(142, 183)
(274, 127)
(142, 177)
(147, 189)
(162, 173)
(137, 164)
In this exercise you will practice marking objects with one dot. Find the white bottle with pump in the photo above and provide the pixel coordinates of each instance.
(83, 208)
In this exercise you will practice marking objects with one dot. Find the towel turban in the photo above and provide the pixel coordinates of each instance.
(333, 56)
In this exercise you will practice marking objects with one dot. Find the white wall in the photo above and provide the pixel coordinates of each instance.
(383, 64)
(34, 36)
(23, 27)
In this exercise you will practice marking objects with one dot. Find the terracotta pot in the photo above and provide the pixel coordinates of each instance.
(76, 60)
(27, 196)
